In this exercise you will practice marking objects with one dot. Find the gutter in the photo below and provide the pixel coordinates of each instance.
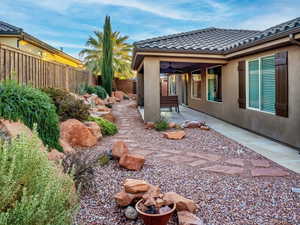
(293, 40)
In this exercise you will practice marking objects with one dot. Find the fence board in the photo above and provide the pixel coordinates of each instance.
(33, 70)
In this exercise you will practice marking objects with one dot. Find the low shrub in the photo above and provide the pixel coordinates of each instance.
(161, 125)
(32, 190)
(98, 90)
(107, 128)
(30, 106)
(67, 106)
(81, 167)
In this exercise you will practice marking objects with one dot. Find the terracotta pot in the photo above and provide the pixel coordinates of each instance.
(155, 219)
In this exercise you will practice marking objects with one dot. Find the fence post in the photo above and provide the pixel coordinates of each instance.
(67, 79)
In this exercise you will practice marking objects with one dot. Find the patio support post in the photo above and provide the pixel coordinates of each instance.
(151, 89)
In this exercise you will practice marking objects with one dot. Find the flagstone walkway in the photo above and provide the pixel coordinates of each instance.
(207, 161)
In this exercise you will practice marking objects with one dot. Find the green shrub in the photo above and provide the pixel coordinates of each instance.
(98, 90)
(161, 125)
(107, 127)
(67, 106)
(30, 105)
(31, 191)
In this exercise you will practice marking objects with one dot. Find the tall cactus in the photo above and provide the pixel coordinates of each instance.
(107, 69)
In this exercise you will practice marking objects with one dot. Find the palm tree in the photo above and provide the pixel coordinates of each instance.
(121, 54)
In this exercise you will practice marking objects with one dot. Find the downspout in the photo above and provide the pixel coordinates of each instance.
(293, 40)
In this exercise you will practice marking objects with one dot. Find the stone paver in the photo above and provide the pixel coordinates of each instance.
(197, 163)
(207, 156)
(180, 159)
(260, 163)
(171, 151)
(141, 152)
(228, 170)
(236, 162)
(161, 155)
(268, 172)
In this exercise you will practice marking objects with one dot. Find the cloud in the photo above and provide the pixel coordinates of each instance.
(59, 44)
(167, 9)
(272, 18)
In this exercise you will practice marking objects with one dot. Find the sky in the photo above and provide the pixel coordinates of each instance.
(69, 23)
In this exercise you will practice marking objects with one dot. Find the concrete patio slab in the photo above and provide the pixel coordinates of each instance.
(275, 151)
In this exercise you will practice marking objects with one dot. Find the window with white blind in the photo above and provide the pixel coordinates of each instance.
(261, 84)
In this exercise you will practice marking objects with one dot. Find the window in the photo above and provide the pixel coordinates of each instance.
(214, 84)
(261, 84)
(172, 85)
(196, 86)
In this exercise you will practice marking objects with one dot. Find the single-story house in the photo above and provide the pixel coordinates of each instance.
(15, 37)
(246, 77)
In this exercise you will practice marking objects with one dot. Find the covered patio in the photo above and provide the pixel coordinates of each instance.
(152, 69)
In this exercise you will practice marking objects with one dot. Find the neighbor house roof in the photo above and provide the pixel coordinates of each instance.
(10, 30)
(215, 40)
(6, 28)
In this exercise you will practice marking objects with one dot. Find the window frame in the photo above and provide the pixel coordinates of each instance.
(192, 96)
(206, 84)
(259, 92)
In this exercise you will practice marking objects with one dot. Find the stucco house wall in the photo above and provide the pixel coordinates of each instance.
(11, 41)
(283, 129)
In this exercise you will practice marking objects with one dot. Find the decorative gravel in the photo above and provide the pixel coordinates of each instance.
(222, 199)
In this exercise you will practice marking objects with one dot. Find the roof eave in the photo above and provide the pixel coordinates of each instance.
(263, 41)
(180, 51)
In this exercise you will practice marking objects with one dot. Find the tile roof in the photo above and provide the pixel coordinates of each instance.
(214, 40)
(6, 28)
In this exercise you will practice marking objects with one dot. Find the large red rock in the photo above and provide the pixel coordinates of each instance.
(119, 149)
(55, 155)
(171, 125)
(134, 186)
(94, 128)
(149, 125)
(119, 94)
(14, 129)
(103, 108)
(132, 161)
(109, 116)
(66, 147)
(124, 199)
(182, 203)
(175, 135)
(76, 133)
(187, 218)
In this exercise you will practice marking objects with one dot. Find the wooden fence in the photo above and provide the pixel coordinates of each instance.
(30, 69)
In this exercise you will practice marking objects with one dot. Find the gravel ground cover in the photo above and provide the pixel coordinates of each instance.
(222, 199)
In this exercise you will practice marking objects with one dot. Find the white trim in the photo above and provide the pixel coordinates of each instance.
(259, 80)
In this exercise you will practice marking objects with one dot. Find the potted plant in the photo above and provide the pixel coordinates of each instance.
(154, 216)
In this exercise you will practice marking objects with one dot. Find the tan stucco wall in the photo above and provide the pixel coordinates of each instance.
(9, 41)
(286, 130)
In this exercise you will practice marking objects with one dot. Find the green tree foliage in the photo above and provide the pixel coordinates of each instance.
(107, 128)
(30, 106)
(106, 69)
(32, 190)
(67, 106)
(98, 90)
(121, 56)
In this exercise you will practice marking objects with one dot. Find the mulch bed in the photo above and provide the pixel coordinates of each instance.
(222, 199)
